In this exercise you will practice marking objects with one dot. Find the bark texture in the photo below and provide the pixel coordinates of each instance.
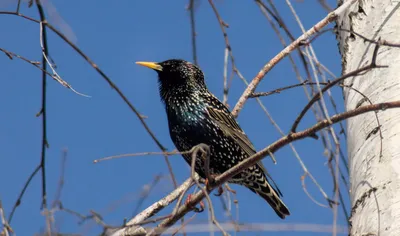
(374, 170)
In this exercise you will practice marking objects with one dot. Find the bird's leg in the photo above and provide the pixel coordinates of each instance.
(220, 191)
(195, 209)
(210, 180)
(201, 209)
(189, 197)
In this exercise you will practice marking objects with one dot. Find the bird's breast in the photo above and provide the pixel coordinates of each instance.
(189, 126)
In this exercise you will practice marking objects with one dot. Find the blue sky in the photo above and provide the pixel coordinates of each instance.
(115, 34)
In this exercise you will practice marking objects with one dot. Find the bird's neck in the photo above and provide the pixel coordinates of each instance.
(181, 95)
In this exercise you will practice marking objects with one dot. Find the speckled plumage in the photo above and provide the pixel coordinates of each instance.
(196, 116)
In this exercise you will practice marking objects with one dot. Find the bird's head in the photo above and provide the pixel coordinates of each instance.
(177, 77)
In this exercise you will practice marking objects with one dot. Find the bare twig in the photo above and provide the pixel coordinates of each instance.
(274, 13)
(154, 208)
(43, 110)
(317, 96)
(175, 152)
(379, 42)
(228, 49)
(185, 223)
(193, 30)
(296, 154)
(303, 184)
(365, 98)
(309, 51)
(226, 89)
(178, 203)
(20, 15)
(279, 19)
(36, 64)
(55, 75)
(18, 5)
(325, 5)
(301, 135)
(19, 199)
(145, 193)
(60, 186)
(154, 220)
(7, 230)
(316, 110)
(267, 67)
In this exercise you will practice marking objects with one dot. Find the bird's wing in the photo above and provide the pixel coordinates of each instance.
(231, 128)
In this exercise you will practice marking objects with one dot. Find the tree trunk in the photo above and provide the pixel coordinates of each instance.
(374, 169)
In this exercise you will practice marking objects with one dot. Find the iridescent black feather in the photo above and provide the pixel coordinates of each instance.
(196, 116)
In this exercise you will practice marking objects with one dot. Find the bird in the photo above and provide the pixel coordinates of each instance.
(197, 116)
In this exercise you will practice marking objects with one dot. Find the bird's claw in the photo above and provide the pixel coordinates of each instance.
(200, 209)
(195, 209)
(209, 181)
(220, 191)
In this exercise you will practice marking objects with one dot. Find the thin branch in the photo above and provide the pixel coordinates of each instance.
(309, 51)
(279, 19)
(20, 15)
(55, 75)
(316, 110)
(226, 88)
(179, 201)
(325, 5)
(146, 192)
(36, 64)
(175, 152)
(317, 96)
(21, 194)
(267, 67)
(379, 42)
(60, 186)
(183, 225)
(303, 184)
(154, 208)
(7, 230)
(193, 30)
(296, 154)
(228, 49)
(18, 5)
(43, 110)
(365, 98)
(301, 135)
(274, 13)
(154, 220)
(82, 218)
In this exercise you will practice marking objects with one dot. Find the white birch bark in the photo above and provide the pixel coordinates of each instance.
(374, 180)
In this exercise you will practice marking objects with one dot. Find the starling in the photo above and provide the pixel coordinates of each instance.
(196, 116)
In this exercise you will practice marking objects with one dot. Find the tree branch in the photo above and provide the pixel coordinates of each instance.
(267, 67)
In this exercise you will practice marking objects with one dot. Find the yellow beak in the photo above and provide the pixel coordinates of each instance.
(151, 65)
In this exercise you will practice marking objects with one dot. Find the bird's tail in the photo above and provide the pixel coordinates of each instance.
(262, 187)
